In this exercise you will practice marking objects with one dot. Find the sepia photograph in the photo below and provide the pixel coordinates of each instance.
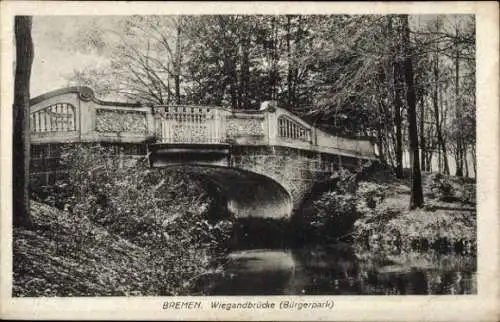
(241, 156)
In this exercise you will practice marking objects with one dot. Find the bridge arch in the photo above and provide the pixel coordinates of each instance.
(242, 193)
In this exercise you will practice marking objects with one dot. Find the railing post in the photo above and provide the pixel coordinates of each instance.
(271, 120)
(217, 126)
(150, 122)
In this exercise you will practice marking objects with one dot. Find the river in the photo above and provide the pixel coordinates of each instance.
(337, 269)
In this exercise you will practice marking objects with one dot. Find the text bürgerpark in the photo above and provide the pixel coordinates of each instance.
(251, 305)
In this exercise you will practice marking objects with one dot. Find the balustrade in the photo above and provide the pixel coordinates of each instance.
(112, 120)
(100, 121)
(288, 128)
(188, 124)
(55, 118)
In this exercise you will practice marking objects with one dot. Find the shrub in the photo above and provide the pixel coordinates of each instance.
(441, 187)
(163, 211)
(469, 193)
(350, 202)
(333, 212)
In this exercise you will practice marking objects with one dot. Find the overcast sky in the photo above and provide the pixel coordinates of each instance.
(59, 49)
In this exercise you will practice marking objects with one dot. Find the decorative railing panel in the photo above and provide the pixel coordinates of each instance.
(237, 127)
(117, 121)
(288, 128)
(189, 124)
(54, 118)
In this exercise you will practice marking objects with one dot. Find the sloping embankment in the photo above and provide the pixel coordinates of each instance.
(446, 222)
(55, 258)
(371, 208)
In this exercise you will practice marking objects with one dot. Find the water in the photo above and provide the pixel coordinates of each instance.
(339, 269)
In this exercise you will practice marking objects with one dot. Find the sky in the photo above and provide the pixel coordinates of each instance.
(56, 43)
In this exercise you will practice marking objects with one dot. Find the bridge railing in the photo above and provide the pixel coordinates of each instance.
(209, 124)
(75, 115)
(189, 124)
(54, 118)
(292, 131)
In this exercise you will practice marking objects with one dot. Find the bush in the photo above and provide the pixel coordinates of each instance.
(166, 212)
(391, 226)
(469, 193)
(349, 202)
(332, 213)
(441, 187)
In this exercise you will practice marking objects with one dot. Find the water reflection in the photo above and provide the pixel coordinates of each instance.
(341, 270)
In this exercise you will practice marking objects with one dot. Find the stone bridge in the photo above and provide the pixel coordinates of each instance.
(261, 163)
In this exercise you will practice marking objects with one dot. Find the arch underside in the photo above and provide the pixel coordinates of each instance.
(244, 193)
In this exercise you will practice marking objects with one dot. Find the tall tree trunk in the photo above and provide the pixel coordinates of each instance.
(178, 61)
(396, 76)
(428, 161)
(430, 148)
(441, 143)
(289, 58)
(464, 158)
(245, 72)
(422, 134)
(381, 114)
(437, 98)
(417, 197)
(459, 152)
(473, 152)
(397, 120)
(440, 160)
(274, 59)
(295, 70)
(233, 83)
(380, 135)
(21, 132)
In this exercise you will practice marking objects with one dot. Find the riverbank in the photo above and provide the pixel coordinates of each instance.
(53, 258)
(150, 233)
(114, 230)
(371, 209)
(67, 255)
(447, 222)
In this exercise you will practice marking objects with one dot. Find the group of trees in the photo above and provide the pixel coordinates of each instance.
(344, 73)
(364, 75)
(408, 81)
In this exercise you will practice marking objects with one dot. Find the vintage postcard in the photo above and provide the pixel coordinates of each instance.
(250, 161)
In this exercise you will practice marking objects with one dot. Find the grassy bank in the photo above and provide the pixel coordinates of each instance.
(114, 230)
(447, 222)
(65, 255)
(55, 259)
(371, 209)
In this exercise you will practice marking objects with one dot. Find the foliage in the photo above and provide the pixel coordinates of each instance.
(370, 208)
(163, 212)
(332, 212)
(343, 73)
(333, 206)
(449, 189)
(440, 188)
(52, 259)
(448, 222)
